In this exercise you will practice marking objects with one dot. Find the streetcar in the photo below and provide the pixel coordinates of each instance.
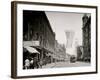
(73, 59)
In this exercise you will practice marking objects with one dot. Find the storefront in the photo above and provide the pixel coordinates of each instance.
(32, 49)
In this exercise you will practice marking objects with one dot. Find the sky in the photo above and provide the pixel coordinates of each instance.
(61, 22)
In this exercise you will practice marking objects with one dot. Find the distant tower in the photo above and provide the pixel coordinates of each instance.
(69, 38)
(75, 45)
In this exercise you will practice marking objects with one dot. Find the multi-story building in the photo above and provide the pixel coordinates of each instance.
(79, 52)
(60, 51)
(86, 37)
(38, 34)
(69, 37)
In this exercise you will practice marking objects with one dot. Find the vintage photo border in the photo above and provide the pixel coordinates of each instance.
(14, 38)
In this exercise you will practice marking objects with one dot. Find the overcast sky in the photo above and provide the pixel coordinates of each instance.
(61, 22)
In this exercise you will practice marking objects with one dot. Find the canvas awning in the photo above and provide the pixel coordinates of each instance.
(31, 49)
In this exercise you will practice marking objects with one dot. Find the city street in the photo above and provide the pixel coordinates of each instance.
(66, 64)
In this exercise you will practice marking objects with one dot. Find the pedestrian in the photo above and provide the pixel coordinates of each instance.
(31, 64)
(27, 63)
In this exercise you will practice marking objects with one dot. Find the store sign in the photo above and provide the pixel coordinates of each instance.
(31, 43)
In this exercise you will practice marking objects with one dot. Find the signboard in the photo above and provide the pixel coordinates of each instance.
(31, 43)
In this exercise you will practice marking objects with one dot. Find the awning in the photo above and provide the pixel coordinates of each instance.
(31, 49)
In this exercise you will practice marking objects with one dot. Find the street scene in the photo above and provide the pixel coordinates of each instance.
(66, 64)
(56, 40)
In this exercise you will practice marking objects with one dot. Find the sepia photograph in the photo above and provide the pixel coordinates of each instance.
(53, 39)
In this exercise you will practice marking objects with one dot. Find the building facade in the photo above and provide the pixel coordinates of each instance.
(69, 37)
(86, 38)
(79, 52)
(60, 51)
(36, 28)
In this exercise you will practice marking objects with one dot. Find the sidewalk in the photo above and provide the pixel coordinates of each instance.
(51, 65)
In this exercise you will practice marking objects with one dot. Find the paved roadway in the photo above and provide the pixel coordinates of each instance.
(66, 64)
